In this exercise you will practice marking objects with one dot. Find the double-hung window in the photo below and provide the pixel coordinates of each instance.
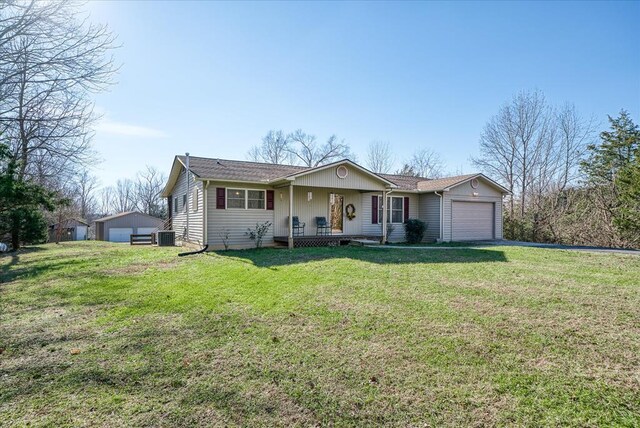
(255, 199)
(236, 198)
(246, 199)
(395, 210)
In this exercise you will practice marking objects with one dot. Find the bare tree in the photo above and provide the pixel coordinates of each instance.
(51, 61)
(406, 170)
(124, 197)
(426, 163)
(273, 149)
(306, 149)
(298, 147)
(513, 143)
(380, 157)
(106, 201)
(148, 186)
(85, 185)
(535, 151)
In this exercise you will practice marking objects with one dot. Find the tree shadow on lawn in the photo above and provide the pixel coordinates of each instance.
(9, 273)
(271, 258)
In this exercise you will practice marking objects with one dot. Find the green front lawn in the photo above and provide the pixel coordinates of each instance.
(99, 334)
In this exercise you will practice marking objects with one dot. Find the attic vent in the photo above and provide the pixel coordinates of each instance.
(342, 171)
(474, 183)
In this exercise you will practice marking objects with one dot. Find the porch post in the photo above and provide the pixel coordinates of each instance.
(290, 240)
(384, 216)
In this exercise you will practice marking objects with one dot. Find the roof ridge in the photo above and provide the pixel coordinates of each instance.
(247, 161)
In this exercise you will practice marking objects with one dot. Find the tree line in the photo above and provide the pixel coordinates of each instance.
(52, 61)
(568, 185)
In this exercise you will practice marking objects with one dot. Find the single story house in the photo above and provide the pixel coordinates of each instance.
(119, 227)
(71, 229)
(209, 199)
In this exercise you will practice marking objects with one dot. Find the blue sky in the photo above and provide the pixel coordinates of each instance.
(213, 78)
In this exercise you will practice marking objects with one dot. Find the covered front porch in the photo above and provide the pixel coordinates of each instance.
(324, 206)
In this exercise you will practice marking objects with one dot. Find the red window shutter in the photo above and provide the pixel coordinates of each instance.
(374, 210)
(220, 198)
(406, 208)
(270, 199)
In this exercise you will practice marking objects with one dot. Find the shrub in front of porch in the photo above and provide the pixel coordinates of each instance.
(414, 230)
(258, 233)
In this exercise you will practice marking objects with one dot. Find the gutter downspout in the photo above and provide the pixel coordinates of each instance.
(441, 215)
(205, 237)
(188, 193)
(290, 236)
(385, 195)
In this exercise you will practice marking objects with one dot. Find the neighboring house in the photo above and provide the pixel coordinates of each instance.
(72, 229)
(119, 227)
(213, 197)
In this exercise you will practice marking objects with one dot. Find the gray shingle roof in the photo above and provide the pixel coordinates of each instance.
(224, 169)
(234, 170)
(442, 183)
(404, 182)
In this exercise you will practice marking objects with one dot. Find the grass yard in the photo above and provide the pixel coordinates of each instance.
(99, 334)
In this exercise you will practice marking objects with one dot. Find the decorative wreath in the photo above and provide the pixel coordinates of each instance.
(351, 211)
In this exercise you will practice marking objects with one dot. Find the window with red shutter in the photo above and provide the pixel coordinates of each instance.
(270, 195)
(220, 198)
(406, 208)
(374, 209)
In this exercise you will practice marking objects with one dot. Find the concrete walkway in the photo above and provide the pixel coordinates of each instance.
(480, 244)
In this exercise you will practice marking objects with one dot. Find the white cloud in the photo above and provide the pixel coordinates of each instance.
(109, 126)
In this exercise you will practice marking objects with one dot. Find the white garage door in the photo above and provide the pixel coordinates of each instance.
(147, 230)
(472, 221)
(120, 234)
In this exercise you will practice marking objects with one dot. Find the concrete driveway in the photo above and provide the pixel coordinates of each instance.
(477, 244)
(558, 246)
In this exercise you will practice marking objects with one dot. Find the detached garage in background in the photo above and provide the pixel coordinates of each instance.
(119, 227)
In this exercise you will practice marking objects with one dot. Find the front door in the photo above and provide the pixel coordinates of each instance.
(336, 209)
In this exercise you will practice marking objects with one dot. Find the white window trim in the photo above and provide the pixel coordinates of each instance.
(246, 198)
(388, 206)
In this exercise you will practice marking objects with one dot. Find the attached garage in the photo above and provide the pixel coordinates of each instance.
(472, 221)
(119, 227)
(462, 208)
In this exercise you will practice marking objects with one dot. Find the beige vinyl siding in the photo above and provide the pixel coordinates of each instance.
(236, 221)
(376, 229)
(307, 210)
(327, 178)
(429, 212)
(464, 192)
(179, 219)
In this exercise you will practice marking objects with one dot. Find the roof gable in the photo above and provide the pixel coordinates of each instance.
(362, 170)
(445, 184)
